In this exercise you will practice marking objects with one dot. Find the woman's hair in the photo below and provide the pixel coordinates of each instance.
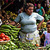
(48, 23)
(26, 6)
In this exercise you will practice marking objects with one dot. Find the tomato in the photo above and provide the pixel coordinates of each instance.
(37, 45)
(3, 38)
(6, 36)
(2, 35)
(7, 39)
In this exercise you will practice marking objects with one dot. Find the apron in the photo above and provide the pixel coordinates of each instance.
(34, 37)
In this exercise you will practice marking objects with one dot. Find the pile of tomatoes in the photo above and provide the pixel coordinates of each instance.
(4, 37)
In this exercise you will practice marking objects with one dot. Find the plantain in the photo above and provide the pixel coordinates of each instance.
(4, 31)
(16, 28)
(6, 26)
(12, 31)
(12, 26)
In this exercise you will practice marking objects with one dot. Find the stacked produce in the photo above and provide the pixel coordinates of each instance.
(13, 15)
(4, 37)
(12, 32)
(7, 16)
(14, 43)
(43, 25)
(47, 17)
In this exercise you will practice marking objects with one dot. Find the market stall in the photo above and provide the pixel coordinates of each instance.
(12, 32)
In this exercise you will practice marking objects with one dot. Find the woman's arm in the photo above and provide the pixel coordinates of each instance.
(43, 12)
(12, 23)
(39, 25)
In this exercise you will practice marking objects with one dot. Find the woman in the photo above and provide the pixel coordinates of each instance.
(46, 8)
(40, 10)
(27, 19)
(47, 2)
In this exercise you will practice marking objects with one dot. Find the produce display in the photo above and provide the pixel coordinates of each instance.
(12, 32)
(14, 43)
(47, 17)
(9, 32)
(7, 16)
(4, 37)
(12, 14)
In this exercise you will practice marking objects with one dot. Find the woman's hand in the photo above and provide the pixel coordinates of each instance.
(43, 12)
(12, 23)
(7, 23)
(39, 25)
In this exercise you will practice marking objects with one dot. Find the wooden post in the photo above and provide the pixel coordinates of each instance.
(8, 5)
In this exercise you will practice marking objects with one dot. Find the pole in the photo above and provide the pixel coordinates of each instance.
(8, 5)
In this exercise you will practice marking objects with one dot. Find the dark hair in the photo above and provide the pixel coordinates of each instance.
(27, 6)
(48, 23)
(39, 3)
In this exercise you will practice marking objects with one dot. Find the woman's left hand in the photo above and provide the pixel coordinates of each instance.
(39, 25)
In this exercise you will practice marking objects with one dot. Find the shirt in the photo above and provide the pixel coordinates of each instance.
(47, 38)
(28, 22)
(40, 11)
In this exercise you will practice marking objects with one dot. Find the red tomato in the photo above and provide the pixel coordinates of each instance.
(3, 38)
(7, 39)
(6, 36)
(2, 35)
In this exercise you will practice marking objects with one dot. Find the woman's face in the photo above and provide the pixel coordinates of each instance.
(29, 11)
(45, 5)
(39, 5)
(48, 28)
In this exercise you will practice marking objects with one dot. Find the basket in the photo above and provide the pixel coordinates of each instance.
(3, 42)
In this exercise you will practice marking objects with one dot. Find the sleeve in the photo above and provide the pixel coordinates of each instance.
(41, 7)
(39, 17)
(45, 32)
(17, 20)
